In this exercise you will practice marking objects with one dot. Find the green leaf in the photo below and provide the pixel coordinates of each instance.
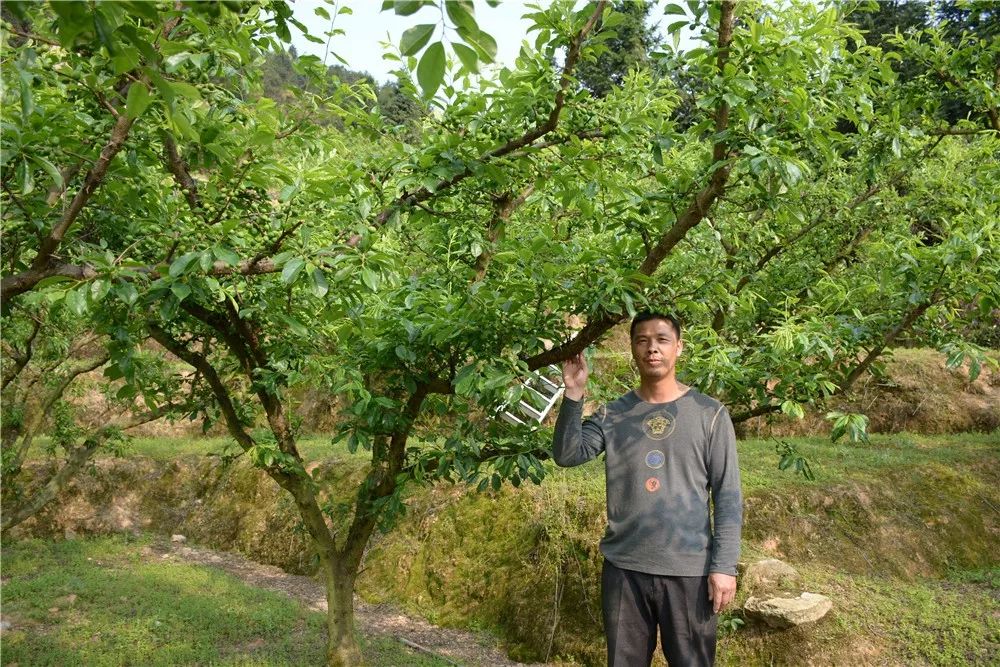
(675, 26)
(462, 14)
(99, 289)
(406, 7)
(975, 368)
(416, 38)
(370, 278)
(292, 269)
(141, 8)
(319, 285)
(27, 99)
(138, 99)
(321, 12)
(73, 19)
(161, 84)
(181, 291)
(127, 293)
(50, 169)
(182, 264)
(430, 71)
(51, 280)
(295, 325)
(185, 90)
(126, 60)
(793, 409)
(104, 33)
(467, 56)
(226, 255)
(674, 9)
(27, 178)
(483, 43)
(76, 301)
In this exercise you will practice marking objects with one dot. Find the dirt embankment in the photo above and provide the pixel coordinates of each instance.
(918, 394)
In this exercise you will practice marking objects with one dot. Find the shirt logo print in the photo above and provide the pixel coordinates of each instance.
(658, 426)
(655, 459)
(652, 485)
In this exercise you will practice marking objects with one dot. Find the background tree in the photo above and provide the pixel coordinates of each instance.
(630, 38)
(45, 351)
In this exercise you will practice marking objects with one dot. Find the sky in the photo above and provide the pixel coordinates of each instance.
(367, 27)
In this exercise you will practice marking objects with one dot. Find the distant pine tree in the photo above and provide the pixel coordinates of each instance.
(630, 48)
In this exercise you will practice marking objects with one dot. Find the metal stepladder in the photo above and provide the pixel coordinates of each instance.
(541, 391)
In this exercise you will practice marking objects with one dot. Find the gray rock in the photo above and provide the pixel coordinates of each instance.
(769, 575)
(5, 626)
(179, 539)
(788, 612)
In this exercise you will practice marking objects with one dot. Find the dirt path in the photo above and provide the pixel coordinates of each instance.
(461, 647)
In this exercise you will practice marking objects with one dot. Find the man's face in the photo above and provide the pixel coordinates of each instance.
(655, 346)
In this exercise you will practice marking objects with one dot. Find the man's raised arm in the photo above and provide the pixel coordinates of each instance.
(575, 441)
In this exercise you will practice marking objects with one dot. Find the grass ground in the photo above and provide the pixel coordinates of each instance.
(101, 602)
(878, 620)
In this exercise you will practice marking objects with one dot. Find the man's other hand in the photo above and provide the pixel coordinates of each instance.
(721, 590)
(575, 374)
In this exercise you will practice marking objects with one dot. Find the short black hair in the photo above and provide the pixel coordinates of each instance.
(648, 315)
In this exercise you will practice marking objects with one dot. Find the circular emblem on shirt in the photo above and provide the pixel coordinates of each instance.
(652, 484)
(655, 459)
(658, 425)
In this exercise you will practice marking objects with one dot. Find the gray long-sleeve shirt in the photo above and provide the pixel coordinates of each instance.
(662, 461)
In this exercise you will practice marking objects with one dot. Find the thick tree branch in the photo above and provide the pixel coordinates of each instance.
(825, 218)
(381, 481)
(503, 207)
(36, 418)
(14, 285)
(21, 359)
(207, 370)
(760, 410)
(298, 485)
(177, 167)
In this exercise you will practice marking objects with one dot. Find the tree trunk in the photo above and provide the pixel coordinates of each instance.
(342, 648)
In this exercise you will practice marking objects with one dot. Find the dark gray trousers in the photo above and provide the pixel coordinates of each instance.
(636, 604)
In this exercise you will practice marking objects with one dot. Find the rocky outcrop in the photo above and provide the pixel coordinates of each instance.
(782, 612)
(776, 596)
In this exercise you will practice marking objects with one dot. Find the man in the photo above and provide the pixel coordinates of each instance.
(667, 448)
